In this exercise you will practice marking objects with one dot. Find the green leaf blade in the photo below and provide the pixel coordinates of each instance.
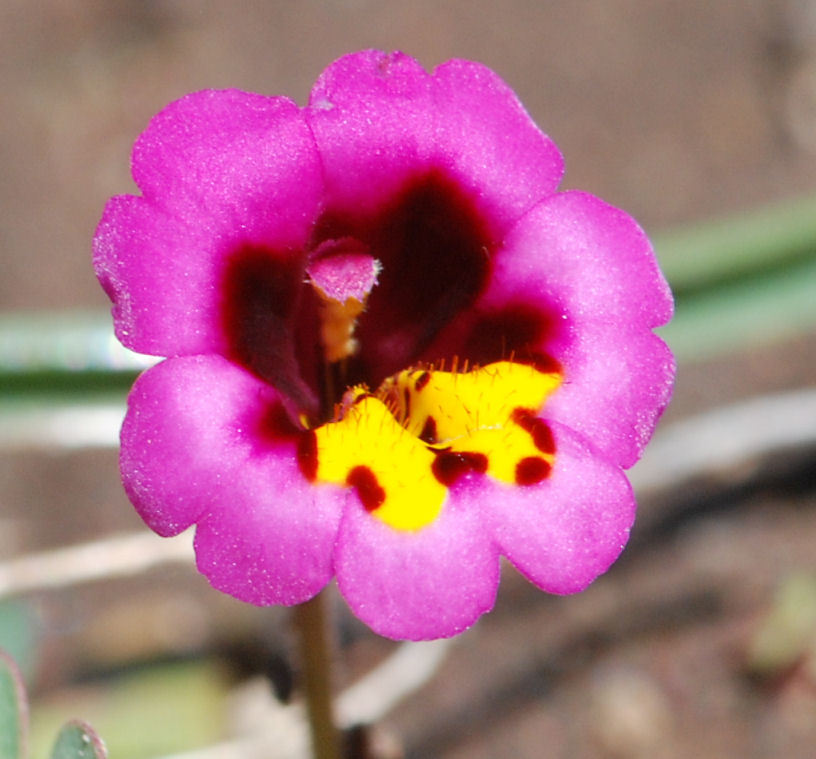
(78, 740)
(13, 710)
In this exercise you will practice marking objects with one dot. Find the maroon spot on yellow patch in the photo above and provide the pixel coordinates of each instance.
(422, 380)
(537, 428)
(406, 395)
(365, 482)
(361, 397)
(307, 454)
(428, 434)
(449, 466)
(531, 470)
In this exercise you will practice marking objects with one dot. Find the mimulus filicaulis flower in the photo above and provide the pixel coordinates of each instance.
(393, 351)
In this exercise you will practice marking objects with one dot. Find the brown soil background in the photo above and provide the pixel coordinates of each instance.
(678, 111)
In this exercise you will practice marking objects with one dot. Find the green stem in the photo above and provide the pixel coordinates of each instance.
(310, 622)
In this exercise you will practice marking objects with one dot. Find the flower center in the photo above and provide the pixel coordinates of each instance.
(424, 429)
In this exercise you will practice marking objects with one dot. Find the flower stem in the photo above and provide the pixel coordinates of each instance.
(310, 622)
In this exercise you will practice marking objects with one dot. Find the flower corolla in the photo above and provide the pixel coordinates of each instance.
(394, 353)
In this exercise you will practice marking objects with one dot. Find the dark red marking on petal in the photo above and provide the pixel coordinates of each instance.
(537, 428)
(449, 466)
(271, 430)
(360, 398)
(260, 293)
(406, 396)
(368, 488)
(531, 470)
(307, 454)
(518, 332)
(422, 381)
(428, 434)
(543, 363)
(275, 425)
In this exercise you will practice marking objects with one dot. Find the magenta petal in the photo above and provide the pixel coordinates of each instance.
(592, 257)
(617, 386)
(219, 156)
(381, 120)
(370, 114)
(272, 547)
(564, 532)
(206, 441)
(220, 171)
(592, 266)
(490, 141)
(433, 583)
(160, 276)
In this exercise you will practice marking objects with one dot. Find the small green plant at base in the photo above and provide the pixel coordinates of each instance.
(75, 740)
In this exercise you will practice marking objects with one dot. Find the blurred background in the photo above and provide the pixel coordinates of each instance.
(696, 116)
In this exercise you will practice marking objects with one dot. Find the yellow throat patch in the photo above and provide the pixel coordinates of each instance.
(403, 446)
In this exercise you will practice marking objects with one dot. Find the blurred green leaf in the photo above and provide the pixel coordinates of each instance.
(150, 711)
(706, 255)
(745, 313)
(78, 341)
(12, 710)
(77, 740)
(64, 355)
(17, 634)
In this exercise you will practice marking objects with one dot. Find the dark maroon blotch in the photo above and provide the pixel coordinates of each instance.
(368, 488)
(449, 466)
(259, 293)
(516, 332)
(543, 363)
(275, 425)
(532, 470)
(428, 434)
(537, 428)
(260, 304)
(422, 380)
(307, 454)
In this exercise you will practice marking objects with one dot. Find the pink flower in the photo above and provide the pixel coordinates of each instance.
(394, 352)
